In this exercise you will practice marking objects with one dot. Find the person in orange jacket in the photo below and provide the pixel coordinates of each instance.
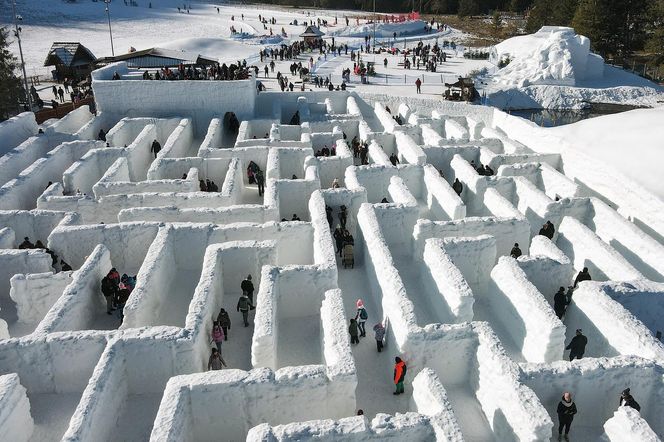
(399, 374)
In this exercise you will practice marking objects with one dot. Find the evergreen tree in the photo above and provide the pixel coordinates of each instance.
(541, 14)
(596, 20)
(655, 38)
(564, 12)
(10, 85)
(468, 7)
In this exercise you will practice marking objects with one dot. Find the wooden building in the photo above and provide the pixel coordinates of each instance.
(71, 60)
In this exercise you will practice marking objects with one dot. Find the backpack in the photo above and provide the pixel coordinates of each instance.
(363, 314)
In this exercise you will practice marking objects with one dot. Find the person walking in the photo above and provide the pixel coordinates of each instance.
(577, 346)
(457, 186)
(379, 331)
(216, 362)
(584, 275)
(560, 303)
(399, 374)
(352, 330)
(243, 305)
(225, 322)
(108, 290)
(260, 181)
(248, 287)
(418, 85)
(156, 147)
(361, 317)
(339, 239)
(627, 400)
(566, 411)
(217, 335)
(61, 94)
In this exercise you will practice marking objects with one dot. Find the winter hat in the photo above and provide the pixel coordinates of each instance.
(249, 277)
(625, 392)
(359, 303)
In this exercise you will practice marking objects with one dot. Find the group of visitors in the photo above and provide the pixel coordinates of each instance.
(207, 185)
(116, 290)
(361, 150)
(26, 244)
(326, 151)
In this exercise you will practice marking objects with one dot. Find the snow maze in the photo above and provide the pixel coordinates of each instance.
(485, 351)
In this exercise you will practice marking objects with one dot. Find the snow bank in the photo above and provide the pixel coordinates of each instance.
(16, 424)
(546, 267)
(20, 261)
(72, 122)
(430, 399)
(442, 200)
(474, 256)
(383, 30)
(552, 55)
(16, 130)
(642, 299)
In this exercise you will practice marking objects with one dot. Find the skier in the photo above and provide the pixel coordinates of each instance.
(216, 362)
(225, 322)
(217, 335)
(577, 346)
(379, 331)
(516, 251)
(560, 302)
(566, 411)
(583, 275)
(399, 374)
(248, 288)
(361, 317)
(243, 305)
(352, 329)
(156, 147)
(627, 400)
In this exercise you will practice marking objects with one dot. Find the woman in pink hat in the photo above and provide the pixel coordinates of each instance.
(361, 317)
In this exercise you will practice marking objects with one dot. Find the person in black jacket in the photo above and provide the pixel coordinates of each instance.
(577, 346)
(584, 275)
(560, 302)
(457, 186)
(627, 400)
(566, 411)
(248, 287)
(516, 251)
(156, 147)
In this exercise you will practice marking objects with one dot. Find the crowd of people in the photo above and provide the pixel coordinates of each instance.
(27, 244)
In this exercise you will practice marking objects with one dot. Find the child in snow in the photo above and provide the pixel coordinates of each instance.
(379, 331)
(352, 329)
(399, 374)
(217, 335)
(566, 411)
(361, 317)
(216, 362)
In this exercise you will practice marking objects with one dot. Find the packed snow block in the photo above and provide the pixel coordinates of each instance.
(430, 399)
(498, 160)
(556, 184)
(90, 130)
(16, 130)
(473, 256)
(403, 426)
(16, 423)
(214, 169)
(320, 140)
(448, 280)
(7, 238)
(331, 168)
(455, 130)
(474, 186)
(384, 279)
(442, 201)
(441, 157)
(523, 313)
(642, 299)
(586, 249)
(638, 248)
(287, 162)
(323, 247)
(254, 129)
(219, 215)
(546, 267)
(610, 327)
(263, 340)
(178, 143)
(21, 261)
(596, 385)
(29, 151)
(385, 118)
(75, 243)
(35, 293)
(431, 136)
(377, 154)
(35, 224)
(507, 231)
(376, 180)
(23, 191)
(105, 188)
(408, 150)
(224, 267)
(293, 197)
(628, 425)
(336, 346)
(213, 137)
(199, 100)
(250, 398)
(89, 169)
(82, 301)
(72, 122)
(529, 171)
(396, 223)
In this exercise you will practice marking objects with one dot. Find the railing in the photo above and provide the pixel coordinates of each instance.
(60, 111)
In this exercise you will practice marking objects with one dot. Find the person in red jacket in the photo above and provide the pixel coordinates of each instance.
(399, 374)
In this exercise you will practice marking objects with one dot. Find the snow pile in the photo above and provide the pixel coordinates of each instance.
(383, 30)
(553, 55)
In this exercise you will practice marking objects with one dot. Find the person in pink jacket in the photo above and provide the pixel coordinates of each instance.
(217, 335)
